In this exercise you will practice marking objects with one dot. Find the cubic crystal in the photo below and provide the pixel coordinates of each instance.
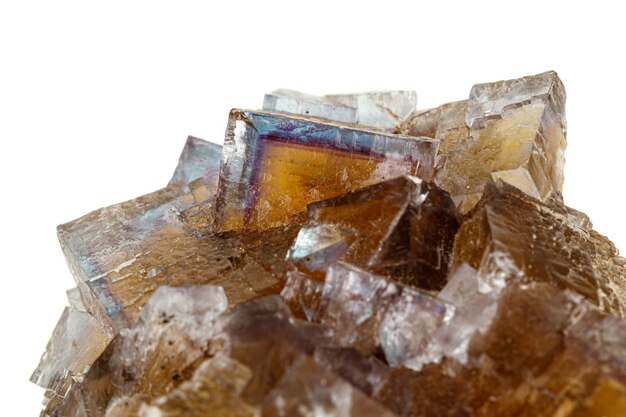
(507, 227)
(347, 255)
(381, 109)
(401, 228)
(274, 165)
(512, 130)
(198, 160)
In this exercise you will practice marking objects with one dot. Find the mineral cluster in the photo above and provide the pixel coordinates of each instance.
(350, 256)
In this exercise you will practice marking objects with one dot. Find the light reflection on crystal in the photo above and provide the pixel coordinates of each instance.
(320, 264)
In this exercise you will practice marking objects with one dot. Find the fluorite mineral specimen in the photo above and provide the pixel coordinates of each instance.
(348, 255)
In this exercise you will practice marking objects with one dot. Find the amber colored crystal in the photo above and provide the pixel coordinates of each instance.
(274, 165)
(320, 265)
(149, 243)
(512, 130)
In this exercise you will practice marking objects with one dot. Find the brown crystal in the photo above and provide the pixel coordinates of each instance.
(512, 130)
(154, 356)
(401, 228)
(122, 274)
(77, 341)
(274, 165)
(303, 294)
(547, 241)
(542, 365)
(313, 267)
(214, 389)
(308, 389)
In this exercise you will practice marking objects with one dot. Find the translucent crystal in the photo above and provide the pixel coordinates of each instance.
(538, 356)
(545, 242)
(199, 160)
(511, 130)
(289, 101)
(75, 300)
(368, 373)
(303, 294)
(446, 123)
(102, 243)
(274, 165)
(351, 272)
(492, 99)
(318, 245)
(366, 311)
(120, 255)
(76, 343)
(307, 389)
(214, 389)
(401, 228)
(476, 297)
(246, 266)
(263, 335)
(517, 126)
(153, 357)
(380, 109)
(486, 381)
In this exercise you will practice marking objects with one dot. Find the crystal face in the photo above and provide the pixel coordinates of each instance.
(78, 340)
(159, 239)
(274, 165)
(198, 166)
(512, 130)
(402, 228)
(382, 109)
(349, 255)
(508, 227)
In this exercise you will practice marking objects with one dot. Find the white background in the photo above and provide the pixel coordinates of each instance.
(97, 98)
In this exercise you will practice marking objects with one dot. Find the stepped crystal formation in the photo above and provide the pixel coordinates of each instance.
(349, 255)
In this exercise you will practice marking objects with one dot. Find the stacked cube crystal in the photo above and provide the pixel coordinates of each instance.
(348, 255)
